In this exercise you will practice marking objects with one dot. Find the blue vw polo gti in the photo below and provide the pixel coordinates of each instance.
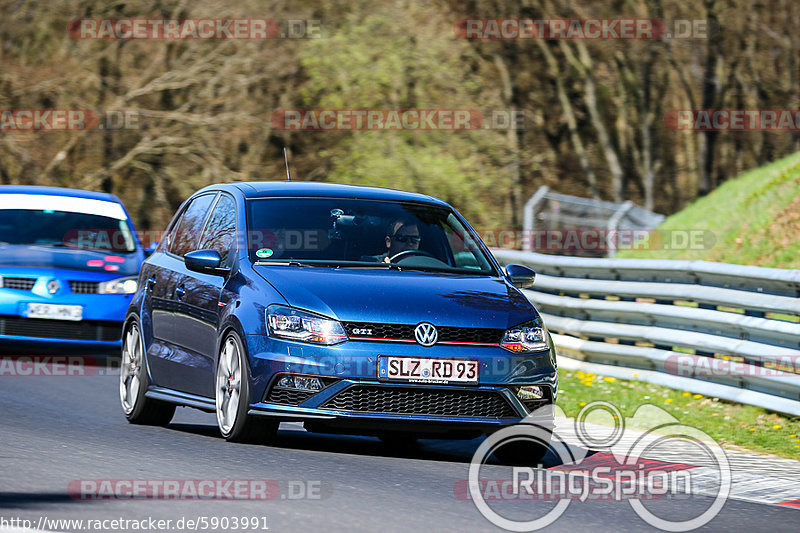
(69, 261)
(352, 309)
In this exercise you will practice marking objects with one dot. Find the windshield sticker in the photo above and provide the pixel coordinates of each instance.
(264, 253)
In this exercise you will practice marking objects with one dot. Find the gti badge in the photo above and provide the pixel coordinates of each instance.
(426, 334)
(53, 286)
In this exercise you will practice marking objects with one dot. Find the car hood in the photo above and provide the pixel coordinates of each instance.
(17, 255)
(354, 295)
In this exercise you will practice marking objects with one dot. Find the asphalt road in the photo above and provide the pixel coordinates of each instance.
(56, 430)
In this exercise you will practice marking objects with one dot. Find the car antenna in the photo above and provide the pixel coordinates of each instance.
(286, 158)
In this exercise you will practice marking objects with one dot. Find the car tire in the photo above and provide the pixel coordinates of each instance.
(232, 396)
(134, 381)
(522, 453)
(398, 441)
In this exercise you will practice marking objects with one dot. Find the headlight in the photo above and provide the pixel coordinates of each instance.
(528, 337)
(118, 286)
(297, 325)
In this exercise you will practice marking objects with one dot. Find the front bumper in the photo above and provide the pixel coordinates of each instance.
(100, 329)
(353, 365)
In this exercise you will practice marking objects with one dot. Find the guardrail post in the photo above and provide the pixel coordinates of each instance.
(529, 215)
(613, 225)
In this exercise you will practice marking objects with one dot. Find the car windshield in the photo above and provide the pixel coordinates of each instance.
(362, 234)
(51, 227)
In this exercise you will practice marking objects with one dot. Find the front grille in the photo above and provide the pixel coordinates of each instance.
(84, 287)
(405, 332)
(86, 330)
(470, 335)
(22, 284)
(288, 396)
(422, 401)
(380, 331)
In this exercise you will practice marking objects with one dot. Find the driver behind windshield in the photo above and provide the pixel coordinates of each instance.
(401, 235)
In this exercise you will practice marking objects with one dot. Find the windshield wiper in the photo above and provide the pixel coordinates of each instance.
(283, 263)
(445, 270)
(331, 263)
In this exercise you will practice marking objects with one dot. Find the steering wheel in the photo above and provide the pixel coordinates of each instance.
(410, 253)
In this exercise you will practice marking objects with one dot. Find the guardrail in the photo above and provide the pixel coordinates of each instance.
(731, 325)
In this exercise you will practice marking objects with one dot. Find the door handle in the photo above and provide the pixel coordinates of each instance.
(180, 292)
(151, 283)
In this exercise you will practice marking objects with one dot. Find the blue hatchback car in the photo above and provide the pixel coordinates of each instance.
(69, 261)
(352, 309)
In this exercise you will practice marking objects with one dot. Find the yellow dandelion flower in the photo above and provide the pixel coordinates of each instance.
(668, 400)
(777, 426)
(697, 396)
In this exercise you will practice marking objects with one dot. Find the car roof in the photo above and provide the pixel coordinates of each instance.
(266, 189)
(57, 191)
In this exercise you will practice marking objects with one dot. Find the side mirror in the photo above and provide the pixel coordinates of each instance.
(151, 248)
(521, 276)
(205, 262)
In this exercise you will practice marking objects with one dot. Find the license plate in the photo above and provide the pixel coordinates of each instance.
(55, 311)
(427, 370)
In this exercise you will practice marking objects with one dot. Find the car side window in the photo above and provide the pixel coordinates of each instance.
(220, 231)
(184, 238)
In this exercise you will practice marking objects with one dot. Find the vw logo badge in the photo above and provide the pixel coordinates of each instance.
(53, 286)
(426, 334)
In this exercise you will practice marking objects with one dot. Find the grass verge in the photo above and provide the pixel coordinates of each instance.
(731, 425)
(755, 220)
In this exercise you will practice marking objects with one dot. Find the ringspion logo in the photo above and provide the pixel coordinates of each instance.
(623, 473)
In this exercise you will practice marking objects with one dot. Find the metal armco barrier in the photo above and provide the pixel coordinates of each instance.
(730, 325)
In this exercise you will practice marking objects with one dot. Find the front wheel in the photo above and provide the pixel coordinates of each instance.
(524, 451)
(133, 383)
(233, 396)
(399, 442)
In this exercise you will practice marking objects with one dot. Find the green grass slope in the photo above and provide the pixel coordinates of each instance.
(754, 219)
